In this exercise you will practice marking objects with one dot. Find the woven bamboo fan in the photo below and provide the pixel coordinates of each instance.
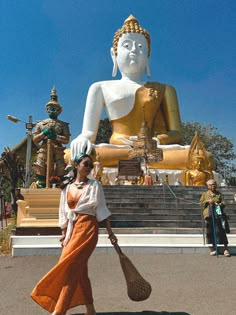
(138, 288)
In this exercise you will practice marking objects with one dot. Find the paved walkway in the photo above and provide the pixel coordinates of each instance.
(183, 284)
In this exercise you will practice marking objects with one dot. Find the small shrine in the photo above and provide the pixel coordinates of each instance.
(145, 147)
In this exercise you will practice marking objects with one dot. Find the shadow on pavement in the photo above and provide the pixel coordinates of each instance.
(139, 313)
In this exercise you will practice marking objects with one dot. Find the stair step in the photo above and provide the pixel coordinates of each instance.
(148, 211)
(156, 223)
(165, 206)
(156, 217)
(153, 243)
(153, 230)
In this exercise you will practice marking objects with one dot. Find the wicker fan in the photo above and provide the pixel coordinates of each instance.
(138, 288)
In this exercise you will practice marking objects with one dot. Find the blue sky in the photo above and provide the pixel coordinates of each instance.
(67, 43)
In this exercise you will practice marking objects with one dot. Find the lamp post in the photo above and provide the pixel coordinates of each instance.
(29, 126)
(3, 214)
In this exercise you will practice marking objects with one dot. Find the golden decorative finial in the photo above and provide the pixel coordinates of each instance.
(144, 132)
(53, 100)
(54, 94)
(131, 25)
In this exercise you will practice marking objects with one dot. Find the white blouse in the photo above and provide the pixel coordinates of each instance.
(92, 201)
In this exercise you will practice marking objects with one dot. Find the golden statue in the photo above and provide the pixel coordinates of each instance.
(124, 100)
(98, 169)
(200, 164)
(140, 179)
(50, 134)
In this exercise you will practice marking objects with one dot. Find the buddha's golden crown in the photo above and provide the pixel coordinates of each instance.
(131, 25)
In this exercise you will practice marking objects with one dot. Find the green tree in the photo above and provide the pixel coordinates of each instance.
(14, 171)
(104, 131)
(220, 146)
(6, 188)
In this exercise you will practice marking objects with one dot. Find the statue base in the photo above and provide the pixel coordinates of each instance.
(39, 208)
(175, 156)
(159, 177)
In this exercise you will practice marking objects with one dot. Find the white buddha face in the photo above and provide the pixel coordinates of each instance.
(132, 53)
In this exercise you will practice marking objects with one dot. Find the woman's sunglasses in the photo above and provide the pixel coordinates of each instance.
(87, 164)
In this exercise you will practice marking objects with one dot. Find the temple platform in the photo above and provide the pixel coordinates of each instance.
(151, 219)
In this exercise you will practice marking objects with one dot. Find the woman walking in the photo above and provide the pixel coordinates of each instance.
(82, 206)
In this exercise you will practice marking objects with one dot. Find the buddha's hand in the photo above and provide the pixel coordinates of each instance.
(81, 144)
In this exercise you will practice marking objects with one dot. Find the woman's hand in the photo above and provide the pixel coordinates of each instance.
(111, 235)
(63, 236)
(113, 239)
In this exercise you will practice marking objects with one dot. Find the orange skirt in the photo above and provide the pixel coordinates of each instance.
(67, 284)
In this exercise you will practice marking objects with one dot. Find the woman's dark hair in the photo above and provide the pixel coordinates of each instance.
(78, 159)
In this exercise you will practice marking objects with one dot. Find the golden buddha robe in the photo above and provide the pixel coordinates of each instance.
(149, 104)
(152, 103)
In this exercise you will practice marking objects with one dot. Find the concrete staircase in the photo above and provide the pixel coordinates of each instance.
(156, 219)
(162, 209)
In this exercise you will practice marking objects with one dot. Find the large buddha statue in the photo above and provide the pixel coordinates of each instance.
(126, 99)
